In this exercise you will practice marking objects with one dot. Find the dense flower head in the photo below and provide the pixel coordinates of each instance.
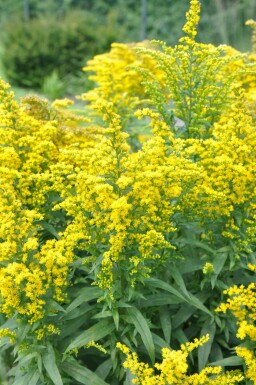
(6, 332)
(193, 17)
(242, 303)
(173, 368)
(252, 23)
(118, 80)
(30, 148)
(250, 360)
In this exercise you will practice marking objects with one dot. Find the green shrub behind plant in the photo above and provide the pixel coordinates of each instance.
(34, 49)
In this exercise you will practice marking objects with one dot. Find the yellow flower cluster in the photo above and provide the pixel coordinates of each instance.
(117, 78)
(193, 17)
(7, 333)
(242, 303)
(46, 330)
(34, 138)
(126, 198)
(208, 268)
(97, 346)
(252, 23)
(250, 361)
(173, 368)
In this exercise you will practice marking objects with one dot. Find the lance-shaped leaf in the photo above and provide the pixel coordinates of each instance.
(82, 374)
(142, 328)
(94, 333)
(49, 362)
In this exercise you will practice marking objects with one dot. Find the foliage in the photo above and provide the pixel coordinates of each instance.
(52, 86)
(222, 20)
(34, 50)
(123, 223)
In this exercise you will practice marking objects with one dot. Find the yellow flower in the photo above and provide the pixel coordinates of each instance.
(193, 17)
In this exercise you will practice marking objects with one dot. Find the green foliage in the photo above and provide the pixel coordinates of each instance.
(227, 20)
(36, 50)
(222, 20)
(52, 86)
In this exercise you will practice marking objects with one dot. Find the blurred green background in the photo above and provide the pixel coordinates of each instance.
(44, 44)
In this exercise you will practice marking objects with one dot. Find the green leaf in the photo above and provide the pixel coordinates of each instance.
(72, 326)
(183, 339)
(181, 336)
(26, 358)
(222, 342)
(157, 283)
(123, 304)
(56, 306)
(166, 324)
(129, 377)
(229, 361)
(24, 380)
(194, 264)
(159, 342)
(82, 374)
(39, 363)
(142, 328)
(183, 314)
(76, 313)
(193, 300)
(49, 362)
(48, 227)
(216, 352)
(103, 314)
(224, 249)
(199, 244)
(34, 379)
(86, 294)
(218, 263)
(189, 298)
(103, 369)
(179, 280)
(160, 299)
(24, 331)
(205, 350)
(116, 317)
(94, 333)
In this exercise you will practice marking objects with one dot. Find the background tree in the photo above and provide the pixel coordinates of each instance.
(95, 25)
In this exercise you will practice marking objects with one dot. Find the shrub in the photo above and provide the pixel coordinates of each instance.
(36, 48)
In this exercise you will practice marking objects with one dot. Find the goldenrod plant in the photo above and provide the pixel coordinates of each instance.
(125, 222)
